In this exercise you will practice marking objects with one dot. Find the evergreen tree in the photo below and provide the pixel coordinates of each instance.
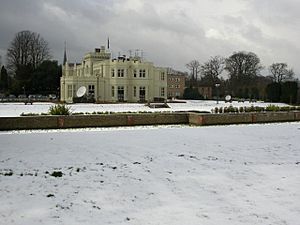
(3, 79)
(273, 92)
(46, 78)
(192, 93)
(289, 91)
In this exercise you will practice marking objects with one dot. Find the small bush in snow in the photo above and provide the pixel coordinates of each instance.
(29, 114)
(272, 108)
(60, 109)
(259, 109)
(285, 108)
(56, 174)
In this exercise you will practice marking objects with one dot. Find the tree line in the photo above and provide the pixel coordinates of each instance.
(29, 68)
(243, 70)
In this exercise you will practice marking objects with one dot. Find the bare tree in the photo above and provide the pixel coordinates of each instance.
(243, 65)
(194, 67)
(280, 72)
(212, 69)
(243, 68)
(27, 49)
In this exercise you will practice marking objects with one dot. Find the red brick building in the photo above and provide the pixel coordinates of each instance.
(175, 84)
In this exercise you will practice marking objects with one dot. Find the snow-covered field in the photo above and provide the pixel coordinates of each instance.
(175, 175)
(15, 109)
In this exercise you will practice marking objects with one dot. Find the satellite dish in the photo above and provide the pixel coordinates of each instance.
(228, 98)
(81, 91)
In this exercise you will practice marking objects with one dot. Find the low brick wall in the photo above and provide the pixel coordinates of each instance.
(270, 117)
(80, 121)
(27, 123)
(219, 119)
(114, 120)
(234, 118)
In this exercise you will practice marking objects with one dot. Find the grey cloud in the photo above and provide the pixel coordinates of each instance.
(171, 32)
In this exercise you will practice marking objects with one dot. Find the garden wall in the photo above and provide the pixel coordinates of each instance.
(114, 120)
(80, 121)
(240, 118)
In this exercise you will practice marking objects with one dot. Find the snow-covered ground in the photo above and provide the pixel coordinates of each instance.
(174, 175)
(15, 109)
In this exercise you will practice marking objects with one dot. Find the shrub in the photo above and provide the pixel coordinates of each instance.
(56, 174)
(78, 113)
(259, 109)
(60, 109)
(285, 108)
(272, 108)
(8, 173)
(233, 109)
(29, 114)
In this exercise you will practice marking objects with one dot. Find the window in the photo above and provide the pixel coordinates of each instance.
(134, 73)
(162, 91)
(177, 86)
(143, 73)
(70, 91)
(112, 73)
(162, 76)
(142, 94)
(120, 93)
(120, 72)
(134, 91)
(74, 90)
(92, 89)
(112, 91)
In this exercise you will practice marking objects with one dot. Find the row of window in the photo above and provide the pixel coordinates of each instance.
(142, 91)
(121, 73)
(136, 73)
(71, 91)
(174, 86)
(176, 79)
(173, 94)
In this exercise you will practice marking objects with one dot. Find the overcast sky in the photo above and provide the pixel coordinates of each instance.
(170, 32)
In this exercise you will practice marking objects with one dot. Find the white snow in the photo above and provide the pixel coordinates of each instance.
(176, 175)
(15, 109)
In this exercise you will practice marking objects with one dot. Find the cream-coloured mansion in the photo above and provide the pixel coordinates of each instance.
(125, 79)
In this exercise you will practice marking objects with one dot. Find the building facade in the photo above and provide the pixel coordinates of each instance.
(176, 84)
(125, 79)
